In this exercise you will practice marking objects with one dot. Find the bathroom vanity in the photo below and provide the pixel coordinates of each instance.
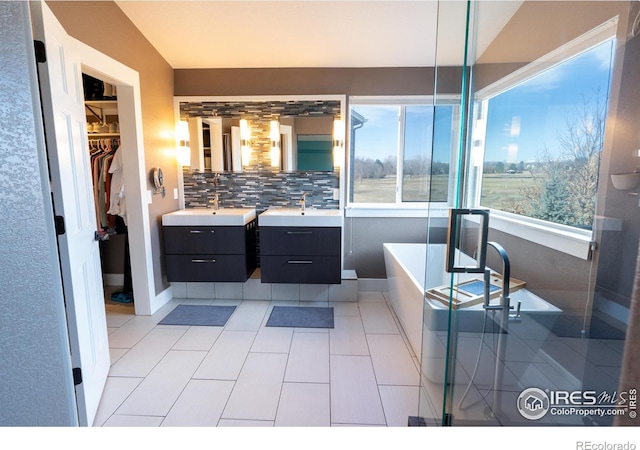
(205, 245)
(300, 248)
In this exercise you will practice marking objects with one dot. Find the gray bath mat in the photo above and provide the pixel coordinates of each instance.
(301, 317)
(203, 315)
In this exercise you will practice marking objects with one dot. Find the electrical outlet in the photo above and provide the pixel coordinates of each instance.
(336, 193)
(175, 193)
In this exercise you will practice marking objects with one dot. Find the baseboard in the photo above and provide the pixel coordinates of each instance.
(373, 284)
(113, 279)
(161, 299)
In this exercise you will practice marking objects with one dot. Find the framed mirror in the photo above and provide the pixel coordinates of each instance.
(303, 140)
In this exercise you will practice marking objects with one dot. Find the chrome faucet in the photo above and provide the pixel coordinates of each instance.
(303, 202)
(505, 300)
(216, 202)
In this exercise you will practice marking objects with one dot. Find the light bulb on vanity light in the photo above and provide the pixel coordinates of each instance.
(183, 151)
(274, 135)
(245, 137)
(338, 142)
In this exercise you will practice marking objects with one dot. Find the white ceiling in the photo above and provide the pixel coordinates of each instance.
(329, 33)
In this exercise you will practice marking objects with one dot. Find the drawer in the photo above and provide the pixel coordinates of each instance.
(204, 240)
(207, 268)
(300, 269)
(300, 240)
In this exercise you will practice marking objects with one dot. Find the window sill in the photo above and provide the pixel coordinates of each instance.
(416, 210)
(562, 238)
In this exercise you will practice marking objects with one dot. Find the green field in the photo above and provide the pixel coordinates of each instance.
(498, 190)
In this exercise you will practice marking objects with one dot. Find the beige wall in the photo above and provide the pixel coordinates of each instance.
(285, 81)
(103, 26)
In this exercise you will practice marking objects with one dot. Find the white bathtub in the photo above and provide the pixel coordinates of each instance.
(408, 280)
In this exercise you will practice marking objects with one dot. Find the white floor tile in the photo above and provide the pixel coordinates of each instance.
(225, 359)
(116, 353)
(200, 404)
(345, 309)
(158, 392)
(304, 405)
(132, 332)
(308, 359)
(117, 317)
(347, 337)
(354, 392)
(399, 402)
(256, 393)
(141, 359)
(376, 318)
(245, 423)
(116, 391)
(272, 340)
(370, 296)
(248, 316)
(198, 338)
(392, 362)
(121, 420)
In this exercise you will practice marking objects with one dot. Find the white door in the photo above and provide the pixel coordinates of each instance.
(71, 184)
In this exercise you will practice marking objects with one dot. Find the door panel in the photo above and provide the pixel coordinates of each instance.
(67, 148)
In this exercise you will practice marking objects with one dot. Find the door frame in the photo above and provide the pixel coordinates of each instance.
(127, 81)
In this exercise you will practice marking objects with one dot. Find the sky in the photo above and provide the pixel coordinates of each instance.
(541, 106)
(522, 121)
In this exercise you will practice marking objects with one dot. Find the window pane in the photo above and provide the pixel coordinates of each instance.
(416, 168)
(374, 143)
(544, 138)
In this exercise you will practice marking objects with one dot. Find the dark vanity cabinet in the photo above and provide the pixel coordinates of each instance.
(210, 253)
(309, 255)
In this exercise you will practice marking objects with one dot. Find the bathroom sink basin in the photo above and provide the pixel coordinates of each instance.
(209, 217)
(294, 217)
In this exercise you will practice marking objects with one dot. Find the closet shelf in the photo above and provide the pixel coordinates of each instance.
(103, 135)
(105, 107)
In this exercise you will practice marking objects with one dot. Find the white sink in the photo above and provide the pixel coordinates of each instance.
(209, 217)
(294, 217)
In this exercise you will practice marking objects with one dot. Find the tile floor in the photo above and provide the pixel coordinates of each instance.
(362, 372)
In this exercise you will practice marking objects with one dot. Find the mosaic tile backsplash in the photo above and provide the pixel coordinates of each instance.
(260, 190)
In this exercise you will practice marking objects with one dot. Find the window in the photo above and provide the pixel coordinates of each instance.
(400, 150)
(543, 140)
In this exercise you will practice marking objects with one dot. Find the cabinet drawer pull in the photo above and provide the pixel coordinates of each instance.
(203, 260)
(200, 231)
(299, 232)
(296, 261)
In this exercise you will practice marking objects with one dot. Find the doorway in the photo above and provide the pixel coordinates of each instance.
(126, 81)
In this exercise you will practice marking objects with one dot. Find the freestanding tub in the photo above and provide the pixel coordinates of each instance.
(408, 280)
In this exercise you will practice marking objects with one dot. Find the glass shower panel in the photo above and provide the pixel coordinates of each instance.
(446, 190)
(551, 87)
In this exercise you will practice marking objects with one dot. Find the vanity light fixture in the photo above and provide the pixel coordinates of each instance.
(338, 142)
(183, 151)
(274, 135)
(245, 138)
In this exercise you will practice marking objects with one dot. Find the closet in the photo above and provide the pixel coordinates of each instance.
(101, 108)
